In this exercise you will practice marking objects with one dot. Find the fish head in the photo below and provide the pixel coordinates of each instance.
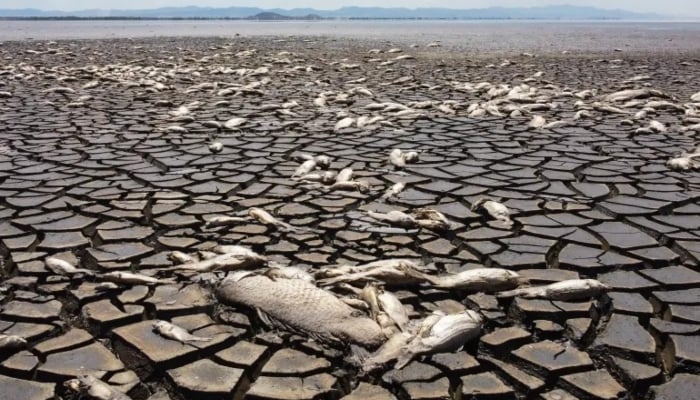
(323, 162)
(160, 325)
(411, 156)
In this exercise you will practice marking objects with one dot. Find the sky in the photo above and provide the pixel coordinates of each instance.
(670, 7)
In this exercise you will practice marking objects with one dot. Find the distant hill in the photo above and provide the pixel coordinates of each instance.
(272, 16)
(547, 12)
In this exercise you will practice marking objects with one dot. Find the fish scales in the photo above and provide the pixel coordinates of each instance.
(305, 308)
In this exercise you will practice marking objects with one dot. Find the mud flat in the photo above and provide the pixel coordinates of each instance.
(106, 162)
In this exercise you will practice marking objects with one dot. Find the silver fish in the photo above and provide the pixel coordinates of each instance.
(572, 289)
(394, 217)
(448, 333)
(223, 220)
(94, 388)
(229, 258)
(478, 280)
(131, 278)
(64, 267)
(394, 272)
(267, 219)
(174, 332)
(299, 306)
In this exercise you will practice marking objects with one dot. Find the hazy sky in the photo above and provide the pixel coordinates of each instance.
(675, 7)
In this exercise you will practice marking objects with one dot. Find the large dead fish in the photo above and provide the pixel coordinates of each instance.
(301, 307)
(572, 289)
(229, 258)
(90, 386)
(477, 280)
(174, 332)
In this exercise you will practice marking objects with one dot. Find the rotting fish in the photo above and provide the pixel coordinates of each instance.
(448, 333)
(394, 190)
(181, 257)
(344, 175)
(174, 332)
(393, 272)
(223, 220)
(572, 289)
(629, 94)
(360, 186)
(94, 388)
(131, 278)
(301, 307)
(495, 209)
(394, 217)
(324, 177)
(394, 309)
(266, 218)
(230, 258)
(478, 280)
(8, 342)
(430, 219)
(234, 123)
(305, 167)
(537, 122)
(64, 267)
(216, 147)
(392, 349)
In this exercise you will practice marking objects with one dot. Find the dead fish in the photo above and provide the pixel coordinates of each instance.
(11, 342)
(305, 167)
(391, 272)
(324, 177)
(430, 219)
(130, 278)
(360, 186)
(391, 350)
(299, 306)
(234, 123)
(657, 126)
(394, 190)
(608, 108)
(370, 295)
(346, 122)
(396, 157)
(344, 175)
(477, 280)
(573, 289)
(174, 332)
(176, 129)
(394, 309)
(229, 258)
(106, 286)
(495, 209)
(695, 97)
(629, 94)
(556, 124)
(537, 122)
(223, 220)
(682, 164)
(63, 267)
(181, 257)
(96, 389)
(266, 218)
(448, 333)
(394, 217)
(216, 147)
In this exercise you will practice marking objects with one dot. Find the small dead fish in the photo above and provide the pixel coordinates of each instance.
(495, 209)
(266, 218)
(11, 342)
(344, 175)
(107, 286)
(96, 389)
(394, 190)
(537, 122)
(216, 147)
(63, 267)
(391, 272)
(394, 309)
(449, 333)
(223, 220)
(573, 289)
(234, 123)
(130, 278)
(477, 280)
(346, 122)
(229, 258)
(394, 217)
(657, 126)
(174, 332)
(360, 186)
(305, 167)
(324, 177)
(181, 257)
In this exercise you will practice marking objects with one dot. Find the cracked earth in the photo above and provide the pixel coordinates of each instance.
(101, 166)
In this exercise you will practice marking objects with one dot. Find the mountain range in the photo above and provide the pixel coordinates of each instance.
(566, 12)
